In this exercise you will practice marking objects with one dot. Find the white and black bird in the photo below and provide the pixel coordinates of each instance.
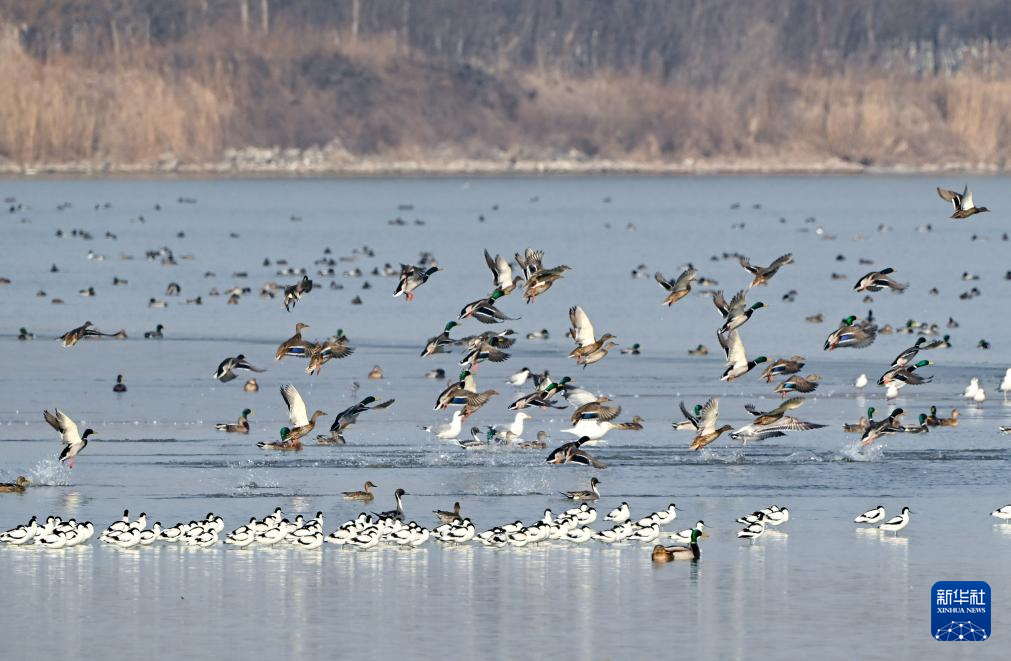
(874, 515)
(69, 434)
(226, 370)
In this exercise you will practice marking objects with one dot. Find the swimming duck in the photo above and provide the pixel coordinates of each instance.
(364, 496)
(412, 277)
(226, 370)
(23, 334)
(737, 361)
(897, 523)
(398, 513)
(17, 486)
(764, 274)
(850, 335)
(155, 334)
(591, 495)
(74, 441)
(251, 386)
(239, 427)
(502, 273)
(700, 350)
(120, 386)
(284, 442)
(962, 202)
(878, 280)
(300, 424)
(798, 383)
(887, 426)
(439, 343)
(935, 421)
(677, 288)
(920, 428)
(861, 425)
(294, 293)
(376, 373)
(294, 345)
(448, 517)
(542, 334)
(783, 366)
(707, 431)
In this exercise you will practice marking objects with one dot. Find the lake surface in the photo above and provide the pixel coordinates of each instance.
(814, 585)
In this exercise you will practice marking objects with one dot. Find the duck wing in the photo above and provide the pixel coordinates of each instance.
(582, 329)
(707, 419)
(688, 416)
(685, 279)
(668, 285)
(296, 407)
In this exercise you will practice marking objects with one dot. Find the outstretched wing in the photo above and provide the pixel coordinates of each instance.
(685, 278)
(582, 329)
(746, 263)
(781, 261)
(734, 347)
(663, 281)
(688, 416)
(707, 419)
(297, 416)
(720, 302)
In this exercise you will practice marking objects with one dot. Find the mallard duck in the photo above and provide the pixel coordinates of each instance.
(851, 335)
(251, 386)
(737, 361)
(707, 431)
(322, 353)
(878, 280)
(300, 424)
(943, 343)
(778, 427)
(448, 517)
(735, 314)
(901, 376)
(284, 443)
(529, 262)
(412, 277)
(540, 443)
(597, 355)
(597, 429)
(962, 202)
(541, 281)
(17, 486)
(502, 273)
(596, 410)
(663, 553)
(592, 494)
(677, 288)
(23, 334)
(365, 496)
(700, 350)
(349, 416)
(119, 386)
(935, 421)
(798, 383)
(294, 345)
(376, 373)
(920, 428)
(543, 395)
(226, 370)
(74, 441)
(764, 274)
(484, 310)
(860, 426)
(691, 421)
(155, 334)
(887, 426)
(294, 293)
(481, 350)
(239, 427)
(542, 334)
(769, 417)
(908, 354)
(439, 343)
(783, 366)
(75, 335)
(397, 513)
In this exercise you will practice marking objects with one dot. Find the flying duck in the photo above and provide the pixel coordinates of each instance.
(878, 280)
(962, 202)
(677, 288)
(412, 277)
(74, 441)
(764, 274)
(226, 370)
(707, 431)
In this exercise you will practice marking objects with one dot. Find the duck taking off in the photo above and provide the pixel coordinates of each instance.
(69, 434)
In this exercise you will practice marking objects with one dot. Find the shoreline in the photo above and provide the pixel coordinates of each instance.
(299, 166)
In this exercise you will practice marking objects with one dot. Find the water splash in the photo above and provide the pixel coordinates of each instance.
(855, 452)
(50, 473)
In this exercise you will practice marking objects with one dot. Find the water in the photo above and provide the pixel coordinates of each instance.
(817, 585)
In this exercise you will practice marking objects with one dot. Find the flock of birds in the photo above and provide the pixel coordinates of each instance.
(593, 416)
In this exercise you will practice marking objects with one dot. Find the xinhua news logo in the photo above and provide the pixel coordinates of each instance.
(960, 610)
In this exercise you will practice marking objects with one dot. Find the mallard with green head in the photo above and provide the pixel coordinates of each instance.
(663, 553)
(412, 277)
(239, 427)
(851, 335)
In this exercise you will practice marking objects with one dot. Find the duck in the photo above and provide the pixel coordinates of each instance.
(877, 280)
(691, 421)
(17, 486)
(541, 281)
(449, 517)
(439, 343)
(284, 442)
(677, 288)
(294, 293)
(921, 428)
(69, 434)
(398, 513)
(597, 429)
(897, 523)
(596, 410)
(502, 273)
(300, 424)
(227, 368)
(707, 431)
(484, 310)
(962, 203)
(448, 431)
(700, 350)
(861, 425)
(412, 277)
(584, 336)
(349, 416)
(908, 354)
(481, 349)
(321, 353)
(783, 367)
(376, 373)
(887, 426)
(23, 334)
(769, 417)
(633, 350)
(935, 421)
(735, 314)
(542, 334)
(251, 386)
(943, 343)
(762, 275)
(903, 376)
(75, 335)
(155, 334)
(797, 383)
(591, 495)
(737, 360)
(438, 374)
(294, 345)
(120, 386)
(850, 335)
(365, 496)
(239, 427)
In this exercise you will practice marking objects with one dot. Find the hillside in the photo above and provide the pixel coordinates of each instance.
(336, 85)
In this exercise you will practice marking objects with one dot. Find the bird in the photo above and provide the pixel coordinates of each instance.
(364, 496)
(737, 361)
(17, 486)
(935, 421)
(764, 274)
(877, 280)
(439, 343)
(798, 383)
(1005, 383)
(448, 517)
(596, 410)
(782, 367)
(155, 334)
(596, 429)
(226, 370)
(502, 273)
(1003, 513)
(971, 389)
(120, 386)
(897, 523)
(887, 426)
(251, 386)
(540, 279)
(620, 514)
(484, 310)
(677, 288)
(873, 515)
(519, 378)
(962, 203)
(283, 443)
(74, 335)
(294, 345)
(691, 421)
(412, 277)
(708, 432)
(861, 425)
(861, 381)
(241, 426)
(902, 376)
(584, 336)
(663, 554)
(299, 423)
(592, 494)
(75, 441)
(850, 335)
(320, 353)
(294, 293)
(735, 314)
(349, 416)
(512, 432)
(448, 431)
(398, 513)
